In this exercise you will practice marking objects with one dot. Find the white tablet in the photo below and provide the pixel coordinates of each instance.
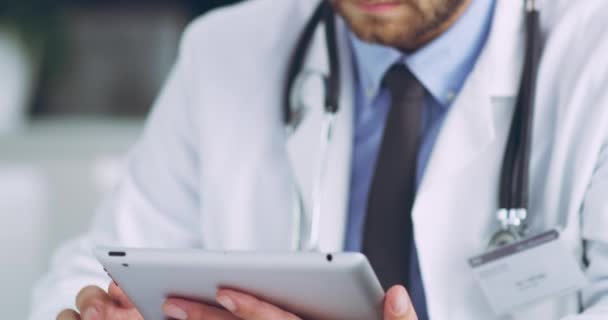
(311, 285)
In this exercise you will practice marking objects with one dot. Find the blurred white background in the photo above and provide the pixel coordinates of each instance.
(52, 178)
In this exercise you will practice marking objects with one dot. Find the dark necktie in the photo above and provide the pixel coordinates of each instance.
(387, 234)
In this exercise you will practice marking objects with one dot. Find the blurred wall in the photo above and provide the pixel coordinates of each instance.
(104, 56)
(115, 58)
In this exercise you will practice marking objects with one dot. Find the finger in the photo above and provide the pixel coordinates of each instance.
(247, 307)
(116, 293)
(181, 309)
(121, 313)
(122, 308)
(92, 302)
(398, 306)
(96, 304)
(68, 315)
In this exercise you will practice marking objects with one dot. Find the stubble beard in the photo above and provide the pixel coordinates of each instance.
(408, 30)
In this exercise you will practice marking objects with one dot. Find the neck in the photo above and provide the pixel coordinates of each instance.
(434, 33)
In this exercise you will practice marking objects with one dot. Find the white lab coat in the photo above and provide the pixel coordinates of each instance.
(214, 168)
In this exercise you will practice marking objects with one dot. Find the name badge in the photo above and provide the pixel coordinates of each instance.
(527, 271)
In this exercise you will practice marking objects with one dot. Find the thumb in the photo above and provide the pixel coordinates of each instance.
(398, 306)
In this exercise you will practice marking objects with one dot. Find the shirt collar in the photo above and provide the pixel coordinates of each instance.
(442, 66)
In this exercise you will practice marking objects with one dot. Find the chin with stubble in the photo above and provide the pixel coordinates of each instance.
(403, 24)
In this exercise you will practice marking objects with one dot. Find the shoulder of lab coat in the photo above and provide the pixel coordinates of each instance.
(157, 204)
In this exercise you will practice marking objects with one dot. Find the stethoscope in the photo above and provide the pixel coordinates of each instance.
(513, 195)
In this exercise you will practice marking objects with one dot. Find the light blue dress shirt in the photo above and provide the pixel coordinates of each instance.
(442, 66)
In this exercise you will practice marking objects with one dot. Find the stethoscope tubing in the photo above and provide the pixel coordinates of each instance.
(514, 193)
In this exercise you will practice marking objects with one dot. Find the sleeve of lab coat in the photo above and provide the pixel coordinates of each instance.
(156, 204)
(595, 235)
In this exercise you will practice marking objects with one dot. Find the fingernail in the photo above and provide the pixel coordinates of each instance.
(401, 303)
(91, 313)
(174, 312)
(227, 303)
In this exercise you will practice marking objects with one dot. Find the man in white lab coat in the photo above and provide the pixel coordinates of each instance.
(215, 169)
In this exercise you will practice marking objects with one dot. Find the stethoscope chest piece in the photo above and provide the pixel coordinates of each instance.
(507, 236)
(503, 238)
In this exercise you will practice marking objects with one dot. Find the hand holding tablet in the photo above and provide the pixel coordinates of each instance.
(115, 305)
(340, 286)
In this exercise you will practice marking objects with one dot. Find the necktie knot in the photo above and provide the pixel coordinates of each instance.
(401, 83)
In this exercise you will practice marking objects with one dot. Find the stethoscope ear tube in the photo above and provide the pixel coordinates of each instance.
(324, 13)
(513, 197)
(332, 95)
(297, 59)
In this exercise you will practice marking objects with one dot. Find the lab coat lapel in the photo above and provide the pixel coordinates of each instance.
(472, 124)
(481, 115)
(303, 145)
(453, 214)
